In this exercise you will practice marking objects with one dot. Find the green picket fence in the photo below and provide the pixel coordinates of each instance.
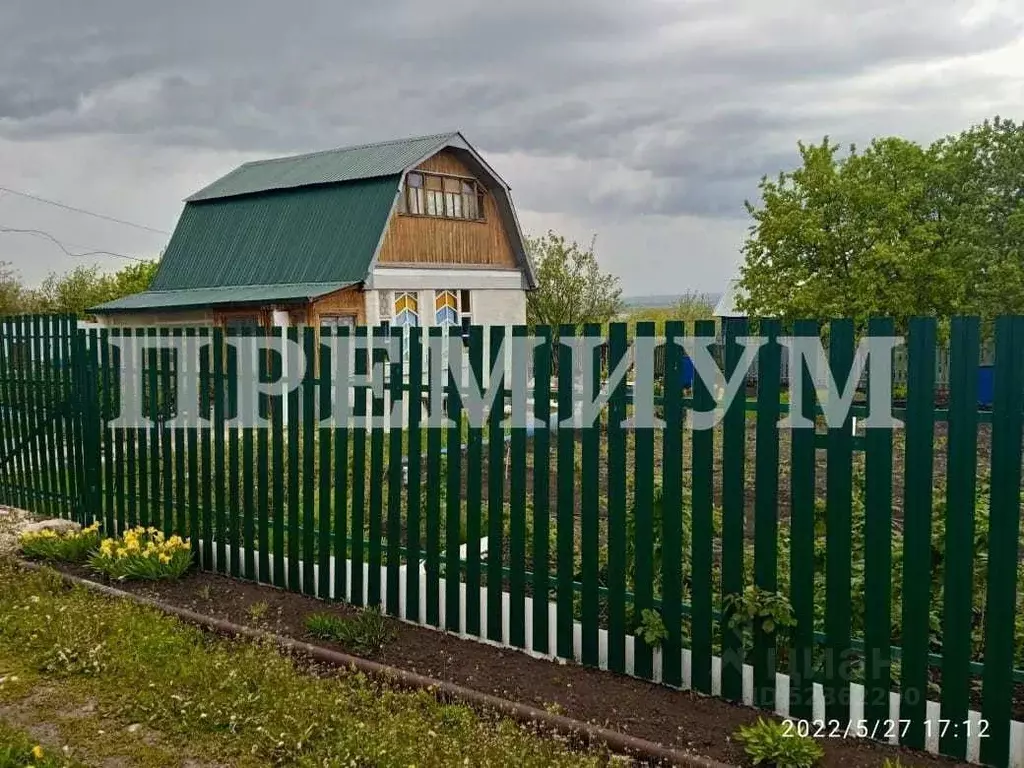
(874, 562)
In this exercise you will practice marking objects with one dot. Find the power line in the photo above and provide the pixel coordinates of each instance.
(83, 211)
(59, 244)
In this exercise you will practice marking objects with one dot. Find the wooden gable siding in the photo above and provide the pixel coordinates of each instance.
(445, 161)
(437, 241)
(349, 301)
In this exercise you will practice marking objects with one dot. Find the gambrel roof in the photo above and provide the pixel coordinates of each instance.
(307, 225)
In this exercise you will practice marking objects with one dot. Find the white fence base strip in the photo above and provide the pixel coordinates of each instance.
(933, 711)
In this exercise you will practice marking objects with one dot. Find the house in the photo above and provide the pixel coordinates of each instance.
(417, 231)
(726, 306)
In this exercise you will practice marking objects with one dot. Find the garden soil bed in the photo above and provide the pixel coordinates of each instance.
(680, 719)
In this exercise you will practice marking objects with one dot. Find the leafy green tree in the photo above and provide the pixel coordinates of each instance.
(573, 290)
(135, 278)
(14, 298)
(897, 230)
(86, 286)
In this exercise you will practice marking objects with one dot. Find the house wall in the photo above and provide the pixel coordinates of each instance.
(262, 315)
(497, 296)
(349, 301)
(432, 240)
(490, 307)
(163, 318)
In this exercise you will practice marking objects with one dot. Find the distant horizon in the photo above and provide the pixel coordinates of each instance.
(668, 299)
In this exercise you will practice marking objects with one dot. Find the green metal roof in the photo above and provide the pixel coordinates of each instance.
(204, 297)
(366, 161)
(319, 234)
(271, 229)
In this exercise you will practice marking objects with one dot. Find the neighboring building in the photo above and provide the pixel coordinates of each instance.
(726, 306)
(413, 232)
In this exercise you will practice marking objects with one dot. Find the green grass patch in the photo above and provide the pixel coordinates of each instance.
(18, 750)
(365, 632)
(235, 702)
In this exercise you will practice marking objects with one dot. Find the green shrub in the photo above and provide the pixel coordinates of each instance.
(67, 547)
(258, 610)
(652, 628)
(325, 626)
(756, 607)
(771, 742)
(365, 632)
(143, 553)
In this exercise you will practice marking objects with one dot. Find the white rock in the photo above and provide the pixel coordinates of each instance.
(56, 524)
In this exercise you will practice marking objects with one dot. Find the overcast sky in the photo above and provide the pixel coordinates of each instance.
(645, 122)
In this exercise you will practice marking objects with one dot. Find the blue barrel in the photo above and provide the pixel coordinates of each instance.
(687, 372)
(986, 385)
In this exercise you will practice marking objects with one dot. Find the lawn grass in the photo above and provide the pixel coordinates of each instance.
(19, 749)
(112, 680)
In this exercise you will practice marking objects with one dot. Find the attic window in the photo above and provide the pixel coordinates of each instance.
(449, 197)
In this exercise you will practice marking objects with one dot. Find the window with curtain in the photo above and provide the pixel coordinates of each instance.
(414, 193)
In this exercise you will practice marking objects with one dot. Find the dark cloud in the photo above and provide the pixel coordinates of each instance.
(646, 107)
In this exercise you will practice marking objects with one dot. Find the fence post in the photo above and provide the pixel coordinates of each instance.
(414, 522)
(1004, 530)
(961, 468)
(474, 490)
(91, 462)
(672, 505)
(878, 561)
(324, 351)
(702, 528)
(435, 339)
(643, 531)
(496, 483)
(617, 354)
(766, 505)
(838, 533)
(373, 553)
(540, 534)
(565, 495)
(917, 526)
(517, 512)
(801, 527)
(733, 513)
(396, 402)
(308, 412)
(590, 482)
